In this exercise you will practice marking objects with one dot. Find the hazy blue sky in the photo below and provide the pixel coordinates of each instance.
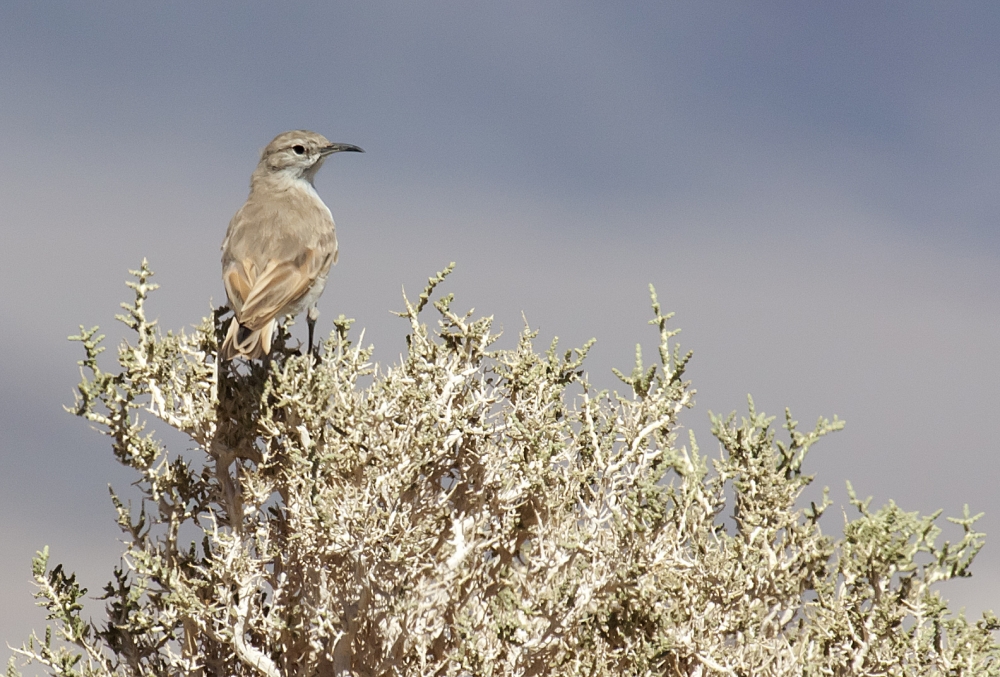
(812, 187)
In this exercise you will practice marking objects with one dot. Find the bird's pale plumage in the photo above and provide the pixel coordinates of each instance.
(280, 244)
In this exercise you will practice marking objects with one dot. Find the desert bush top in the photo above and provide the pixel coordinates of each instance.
(479, 511)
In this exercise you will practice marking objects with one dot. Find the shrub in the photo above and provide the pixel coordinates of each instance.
(477, 511)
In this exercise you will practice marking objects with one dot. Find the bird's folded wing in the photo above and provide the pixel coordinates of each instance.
(263, 296)
(238, 280)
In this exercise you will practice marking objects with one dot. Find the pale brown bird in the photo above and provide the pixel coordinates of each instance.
(280, 245)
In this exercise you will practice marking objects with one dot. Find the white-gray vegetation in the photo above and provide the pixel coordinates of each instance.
(475, 511)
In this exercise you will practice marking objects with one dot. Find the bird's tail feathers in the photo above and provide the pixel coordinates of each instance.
(247, 343)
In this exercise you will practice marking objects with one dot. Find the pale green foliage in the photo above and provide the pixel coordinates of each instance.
(474, 511)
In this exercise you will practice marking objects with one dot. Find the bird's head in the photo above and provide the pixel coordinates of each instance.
(299, 153)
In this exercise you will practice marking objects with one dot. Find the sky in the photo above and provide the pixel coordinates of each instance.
(811, 187)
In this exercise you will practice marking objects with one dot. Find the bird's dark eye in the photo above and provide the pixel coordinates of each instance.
(299, 149)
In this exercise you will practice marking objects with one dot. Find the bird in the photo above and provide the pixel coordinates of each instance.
(279, 246)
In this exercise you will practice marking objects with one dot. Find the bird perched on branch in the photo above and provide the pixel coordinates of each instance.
(280, 245)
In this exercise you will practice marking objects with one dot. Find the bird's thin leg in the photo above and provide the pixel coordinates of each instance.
(311, 318)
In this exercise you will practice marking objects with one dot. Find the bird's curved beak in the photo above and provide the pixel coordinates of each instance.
(339, 148)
